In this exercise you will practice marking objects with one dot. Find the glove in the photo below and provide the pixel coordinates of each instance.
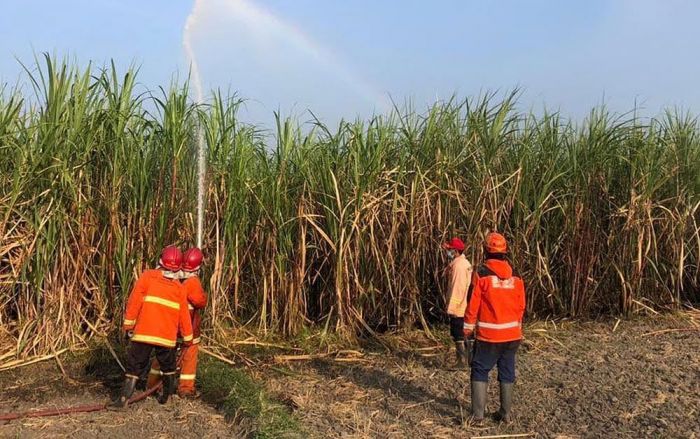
(181, 341)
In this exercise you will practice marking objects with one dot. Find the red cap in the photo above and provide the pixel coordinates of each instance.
(454, 244)
(192, 259)
(495, 243)
(171, 258)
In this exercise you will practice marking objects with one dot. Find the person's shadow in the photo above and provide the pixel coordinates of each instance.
(102, 367)
(376, 378)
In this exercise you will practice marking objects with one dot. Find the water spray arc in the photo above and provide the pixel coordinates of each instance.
(258, 21)
(199, 96)
(267, 25)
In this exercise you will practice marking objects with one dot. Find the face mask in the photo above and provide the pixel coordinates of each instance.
(451, 254)
(171, 274)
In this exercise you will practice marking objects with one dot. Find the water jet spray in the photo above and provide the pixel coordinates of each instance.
(199, 96)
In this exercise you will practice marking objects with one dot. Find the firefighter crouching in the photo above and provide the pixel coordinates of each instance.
(196, 301)
(494, 315)
(155, 312)
(459, 274)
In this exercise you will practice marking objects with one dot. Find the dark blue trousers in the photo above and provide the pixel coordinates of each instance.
(457, 328)
(487, 355)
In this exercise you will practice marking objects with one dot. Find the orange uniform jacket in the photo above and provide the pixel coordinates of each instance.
(157, 310)
(196, 300)
(497, 303)
(188, 372)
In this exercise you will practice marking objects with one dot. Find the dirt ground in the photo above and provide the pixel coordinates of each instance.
(148, 419)
(45, 387)
(604, 379)
(575, 380)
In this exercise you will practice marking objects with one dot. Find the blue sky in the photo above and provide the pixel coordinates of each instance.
(343, 58)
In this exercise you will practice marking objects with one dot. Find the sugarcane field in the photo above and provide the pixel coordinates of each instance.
(275, 219)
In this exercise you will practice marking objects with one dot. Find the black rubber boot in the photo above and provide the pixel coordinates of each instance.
(462, 360)
(503, 414)
(126, 392)
(479, 389)
(168, 388)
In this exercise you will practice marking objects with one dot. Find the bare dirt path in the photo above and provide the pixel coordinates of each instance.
(578, 380)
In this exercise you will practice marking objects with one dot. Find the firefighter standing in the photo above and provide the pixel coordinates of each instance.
(459, 274)
(196, 301)
(494, 315)
(155, 312)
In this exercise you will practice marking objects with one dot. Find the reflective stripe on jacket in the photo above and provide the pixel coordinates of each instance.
(497, 303)
(157, 310)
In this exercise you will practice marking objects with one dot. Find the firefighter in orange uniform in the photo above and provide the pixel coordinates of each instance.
(196, 301)
(155, 312)
(494, 315)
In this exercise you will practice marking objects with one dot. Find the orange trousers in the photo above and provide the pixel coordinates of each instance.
(188, 371)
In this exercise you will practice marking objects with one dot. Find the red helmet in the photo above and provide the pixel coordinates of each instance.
(454, 244)
(495, 243)
(171, 258)
(192, 259)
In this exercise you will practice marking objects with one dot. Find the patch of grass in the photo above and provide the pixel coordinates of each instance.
(245, 401)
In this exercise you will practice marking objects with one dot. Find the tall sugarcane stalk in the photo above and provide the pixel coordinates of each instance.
(337, 226)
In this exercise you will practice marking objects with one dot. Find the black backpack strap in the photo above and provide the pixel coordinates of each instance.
(484, 271)
(481, 271)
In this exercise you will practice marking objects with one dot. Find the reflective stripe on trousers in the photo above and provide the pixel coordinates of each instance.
(188, 372)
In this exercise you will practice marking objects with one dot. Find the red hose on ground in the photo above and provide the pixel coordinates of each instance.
(85, 408)
(76, 409)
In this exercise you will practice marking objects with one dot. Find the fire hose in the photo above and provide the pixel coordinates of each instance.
(90, 407)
